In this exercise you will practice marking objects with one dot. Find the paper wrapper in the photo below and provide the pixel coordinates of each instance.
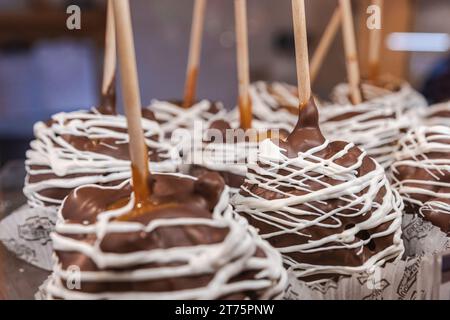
(421, 237)
(26, 233)
(41, 294)
(411, 279)
(405, 280)
(418, 277)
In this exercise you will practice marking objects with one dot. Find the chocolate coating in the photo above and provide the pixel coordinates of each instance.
(422, 175)
(93, 135)
(172, 116)
(378, 123)
(108, 100)
(292, 181)
(177, 198)
(231, 179)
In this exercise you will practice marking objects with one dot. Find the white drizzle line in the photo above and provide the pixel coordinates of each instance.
(266, 107)
(58, 157)
(431, 119)
(304, 168)
(414, 149)
(223, 261)
(406, 99)
(173, 117)
(225, 157)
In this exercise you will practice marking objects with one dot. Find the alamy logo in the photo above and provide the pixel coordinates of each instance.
(73, 281)
(374, 19)
(73, 22)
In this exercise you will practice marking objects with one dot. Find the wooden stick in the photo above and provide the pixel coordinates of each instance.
(375, 37)
(325, 43)
(132, 99)
(351, 54)
(195, 50)
(245, 106)
(301, 52)
(109, 66)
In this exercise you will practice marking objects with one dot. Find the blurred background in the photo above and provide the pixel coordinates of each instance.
(46, 68)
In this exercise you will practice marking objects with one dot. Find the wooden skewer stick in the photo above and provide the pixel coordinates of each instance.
(351, 54)
(301, 52)
(375, 38)
(325, 42)
(108, 101)
(245, 105)
(132, 99)
(195, 50)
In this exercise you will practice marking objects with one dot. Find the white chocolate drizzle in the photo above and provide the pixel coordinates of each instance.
(415, 152)
(223, 261)
(377, 124)
(267, 101)
(224, 157)
(290, 219)
(432, 117)
(172, 117)
(406, 99)
(50, 153)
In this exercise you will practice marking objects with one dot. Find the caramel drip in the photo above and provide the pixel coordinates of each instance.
(142, 192)
(190, 88)
(146, 208)
(302, 106)
(245, 108)
(143, 203)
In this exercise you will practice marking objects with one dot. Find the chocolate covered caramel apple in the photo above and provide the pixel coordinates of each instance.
(389, 92)
(325, 205)
(375, 124)
(375, 127)
(90, 146)
(189, 245)
(373, 114)
(421, 174)
(86, 147)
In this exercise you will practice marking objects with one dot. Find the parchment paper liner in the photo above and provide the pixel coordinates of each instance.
(422, 237)
(410, 279)
(416, 277)
(26, 233)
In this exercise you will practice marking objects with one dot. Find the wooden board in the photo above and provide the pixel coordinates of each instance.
(19, 280)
